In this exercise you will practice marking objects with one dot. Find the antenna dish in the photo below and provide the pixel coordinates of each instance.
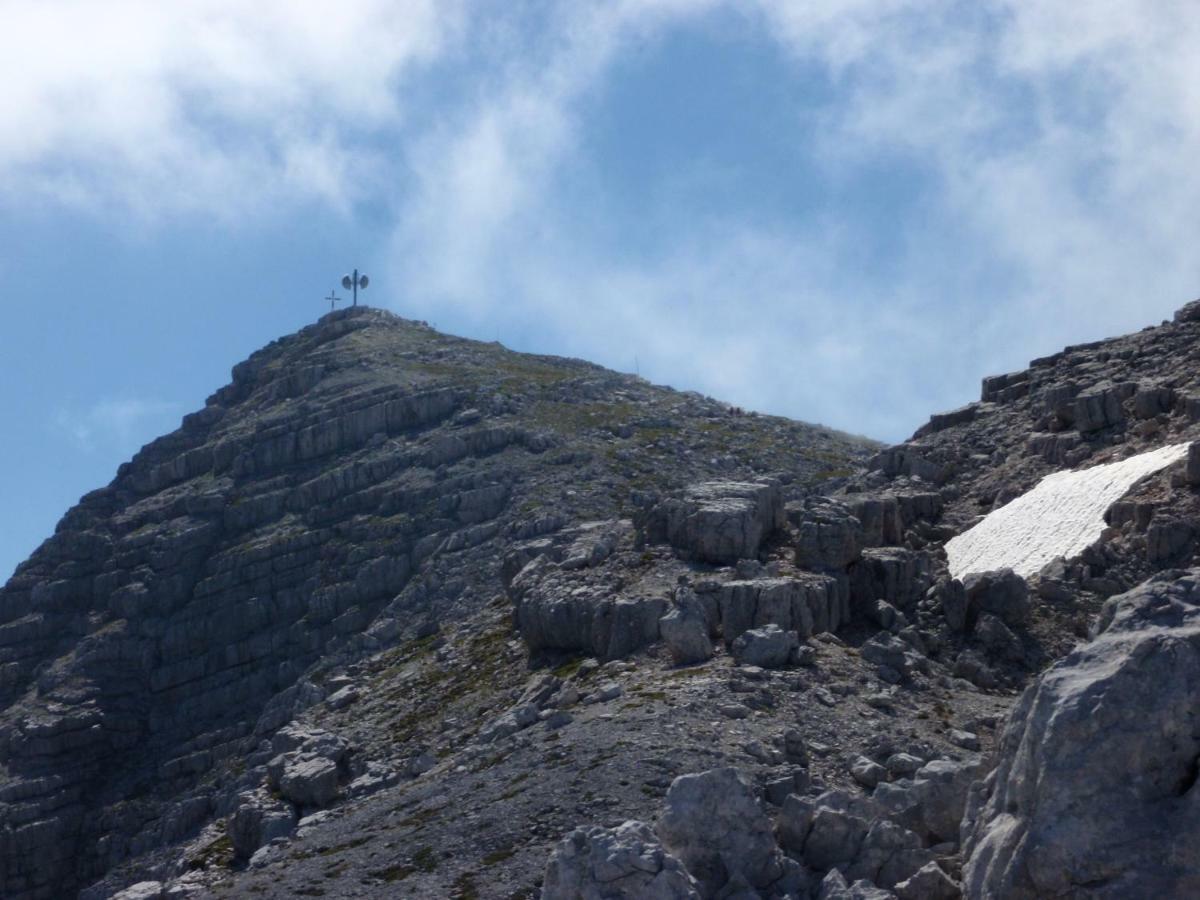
(363, 281)
(346, 282)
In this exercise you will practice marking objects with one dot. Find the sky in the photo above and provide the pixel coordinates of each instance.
(845, 212)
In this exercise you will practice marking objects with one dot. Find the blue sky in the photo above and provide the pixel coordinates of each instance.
(845, 212)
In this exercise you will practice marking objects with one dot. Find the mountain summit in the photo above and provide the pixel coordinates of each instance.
(358, 486)
(399, 614)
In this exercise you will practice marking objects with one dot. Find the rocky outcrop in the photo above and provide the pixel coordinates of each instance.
(718, 522)
(830, 534)
(1095, 791)
(806, 604)
(554, 609)
(357, 485)
(685, 630)
(768, 647)
(622, 863)
(894, 575)
(713, 823)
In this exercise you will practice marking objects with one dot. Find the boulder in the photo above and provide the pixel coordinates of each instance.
(713, 823)
(834, 887)
(835, 833)
(258, 820)
(1098, 408)
(1191, 469)
(829, 534)
(950, 594)
(932, 802)
(1003, 593)
(896, 575)
(1152, 400)
(1095, 787)
(685, 630)
(880, 520)
(304, 778)
(998, 639)
(1167, 539)
(928, 883)
(143, 890)
(622, 863)
(554, 610)
(718, 521)
(807, 604)
(889, 854)
(768, 647)
(907, 459)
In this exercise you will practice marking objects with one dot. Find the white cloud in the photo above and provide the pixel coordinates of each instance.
(212, 106)
(123, 423)
(1062, 141)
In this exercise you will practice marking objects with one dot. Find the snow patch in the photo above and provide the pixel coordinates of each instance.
(1062, 516)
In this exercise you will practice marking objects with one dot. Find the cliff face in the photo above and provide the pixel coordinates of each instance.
(356, 487)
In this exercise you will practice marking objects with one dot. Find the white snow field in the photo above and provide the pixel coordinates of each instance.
(1060, 517)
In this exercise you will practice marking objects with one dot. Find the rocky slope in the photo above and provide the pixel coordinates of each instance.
(403, 615)
(355, 489)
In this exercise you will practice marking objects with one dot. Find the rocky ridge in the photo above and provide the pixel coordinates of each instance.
(355, 487)
(638, 646)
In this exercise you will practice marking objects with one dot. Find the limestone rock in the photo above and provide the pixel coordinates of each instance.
(720, 521)
(622, 863)
(829, 534)
(258, 820)
(685, 630)
(932, 802)
(768, 647)
(834, 887)
(305, 779)
(928, 883)
(1094, 788)
(1098, 408)
(554, 612)
(1004, 594)
(896, 575)
(808, 605)
(713, 823)
(143, 890)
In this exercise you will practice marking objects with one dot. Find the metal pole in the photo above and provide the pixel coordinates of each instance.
(356, 287)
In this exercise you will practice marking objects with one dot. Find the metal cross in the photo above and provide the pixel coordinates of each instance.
(332, 298)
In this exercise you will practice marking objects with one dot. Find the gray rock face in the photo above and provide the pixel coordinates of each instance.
(932, 802)
(554, 611)
(950, 594)
(356, 486)
(1099, 408)
(622, 863)
(830, 535)
(258, 820)
(768, 647)
(895, 575)
(1094, 793)
(720, 521)
(1004, 594)
(305, 779)
(713, 823)
(143, 890)
(834, 887)
(1191, 469)
(928, 883)
(685, 630)
(882, 524)
(807, 605)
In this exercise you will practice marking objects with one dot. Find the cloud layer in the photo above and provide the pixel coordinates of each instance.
(1052, 148)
